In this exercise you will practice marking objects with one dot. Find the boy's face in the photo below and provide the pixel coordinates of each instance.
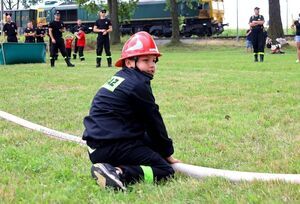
(145, 63)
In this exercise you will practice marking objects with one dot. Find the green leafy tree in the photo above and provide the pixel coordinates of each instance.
(120, 11)
(91, 6)
(11, 4)
(126, 10)
(29, 3)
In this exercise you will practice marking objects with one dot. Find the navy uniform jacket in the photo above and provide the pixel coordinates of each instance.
(124, 108)
(57, 27)
(103, 24)
(10, 29)
(257, 28)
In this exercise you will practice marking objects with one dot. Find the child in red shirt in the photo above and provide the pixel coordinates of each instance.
(68, 42)
(80, 43)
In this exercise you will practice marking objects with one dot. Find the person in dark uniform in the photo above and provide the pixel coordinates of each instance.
(256, 23)
(50, 44)
(296, 26)
(29, 33)
(103, 27)
(40, 33)
(10, 29)
(56, 28)
(76, 29)
(125, 133)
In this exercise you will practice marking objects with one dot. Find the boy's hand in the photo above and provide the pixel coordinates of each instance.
(172, 160)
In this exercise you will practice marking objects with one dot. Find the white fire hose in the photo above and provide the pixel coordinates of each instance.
(187, 169)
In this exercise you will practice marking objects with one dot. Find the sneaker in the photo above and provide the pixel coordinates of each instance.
(107, 176)
(297, 61)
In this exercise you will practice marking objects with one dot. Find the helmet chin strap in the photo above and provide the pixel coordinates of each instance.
(135, 61)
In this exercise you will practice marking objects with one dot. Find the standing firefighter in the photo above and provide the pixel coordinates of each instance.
(256, 23)
(56, 28)
(103, 27)
(10, 29)
(125, 133)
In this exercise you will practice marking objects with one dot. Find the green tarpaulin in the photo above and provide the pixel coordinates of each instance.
(16, 53)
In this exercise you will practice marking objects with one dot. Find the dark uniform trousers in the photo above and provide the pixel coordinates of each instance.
(103, 41)
(80, 52)
(40, 40)
(136, 155)
(258, 43)
(56, 49)
(75, 49)
(12, 39)
(69, 52)
(59, 45)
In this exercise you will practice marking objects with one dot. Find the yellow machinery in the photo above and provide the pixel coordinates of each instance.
(213, 9)
(41, 16)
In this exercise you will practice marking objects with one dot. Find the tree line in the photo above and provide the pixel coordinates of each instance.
(120, 10)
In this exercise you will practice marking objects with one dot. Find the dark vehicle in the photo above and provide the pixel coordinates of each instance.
(199, 17)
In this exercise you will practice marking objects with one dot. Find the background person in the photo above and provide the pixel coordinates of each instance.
(275, 48)
(80, 36)
(256, 23)
(10, 29)
(296, 26)
(75, 29)
(56, 28)
(249, 46)
(125, 133)
(103, 27)
(68, 43)
(40, 33)
(29, 33)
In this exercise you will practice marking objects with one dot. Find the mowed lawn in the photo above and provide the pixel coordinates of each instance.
(221, 109)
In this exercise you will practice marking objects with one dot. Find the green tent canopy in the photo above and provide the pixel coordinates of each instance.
(16, 53)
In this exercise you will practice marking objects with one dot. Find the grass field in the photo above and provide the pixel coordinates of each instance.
(221, 109)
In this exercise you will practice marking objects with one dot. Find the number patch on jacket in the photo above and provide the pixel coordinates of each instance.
(113, 83)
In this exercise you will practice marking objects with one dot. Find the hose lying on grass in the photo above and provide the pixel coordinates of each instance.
(190, 170)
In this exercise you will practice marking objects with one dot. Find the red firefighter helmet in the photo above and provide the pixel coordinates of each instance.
(139, 44)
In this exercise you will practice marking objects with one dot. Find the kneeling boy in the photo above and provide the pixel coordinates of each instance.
(125, 133)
